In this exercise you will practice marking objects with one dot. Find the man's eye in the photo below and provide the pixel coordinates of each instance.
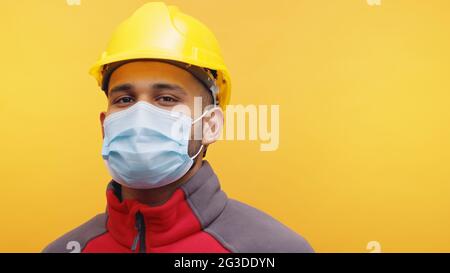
(124, 100)
(166, 99)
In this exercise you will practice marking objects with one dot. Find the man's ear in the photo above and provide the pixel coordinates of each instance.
(102, 119)
(212, 126)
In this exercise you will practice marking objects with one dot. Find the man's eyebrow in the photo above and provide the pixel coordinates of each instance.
(170, 86)
(121, 87)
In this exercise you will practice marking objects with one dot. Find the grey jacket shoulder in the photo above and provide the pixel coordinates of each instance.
(245, 229)
(75, 240)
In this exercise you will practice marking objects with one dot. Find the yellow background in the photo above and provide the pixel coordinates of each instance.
(363, 91)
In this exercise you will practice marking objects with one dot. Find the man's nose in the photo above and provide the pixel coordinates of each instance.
(144, 96)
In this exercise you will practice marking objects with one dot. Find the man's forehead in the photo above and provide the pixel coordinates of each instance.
(150, 69)
(152, 74)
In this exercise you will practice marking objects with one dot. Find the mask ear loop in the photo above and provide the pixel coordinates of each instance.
(199, 150)
(200, 117)
(197, 119)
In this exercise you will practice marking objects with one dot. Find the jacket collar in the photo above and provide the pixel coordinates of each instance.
(191, 208)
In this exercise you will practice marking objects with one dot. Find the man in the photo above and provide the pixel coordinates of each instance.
(164, 197)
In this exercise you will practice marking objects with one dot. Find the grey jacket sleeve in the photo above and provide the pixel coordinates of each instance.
(76, 240)
(245, 229)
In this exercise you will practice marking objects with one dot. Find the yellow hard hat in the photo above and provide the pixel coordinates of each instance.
(158, 31)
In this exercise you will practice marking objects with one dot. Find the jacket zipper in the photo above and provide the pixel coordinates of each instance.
(140, 236)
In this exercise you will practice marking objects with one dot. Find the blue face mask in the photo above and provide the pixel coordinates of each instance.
(146, 147)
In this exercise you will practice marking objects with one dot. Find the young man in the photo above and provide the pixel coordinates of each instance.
(164, 197)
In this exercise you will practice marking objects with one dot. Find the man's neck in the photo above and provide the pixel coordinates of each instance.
(158, 196)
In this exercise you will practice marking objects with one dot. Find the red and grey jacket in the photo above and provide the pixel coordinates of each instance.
(198, 217)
